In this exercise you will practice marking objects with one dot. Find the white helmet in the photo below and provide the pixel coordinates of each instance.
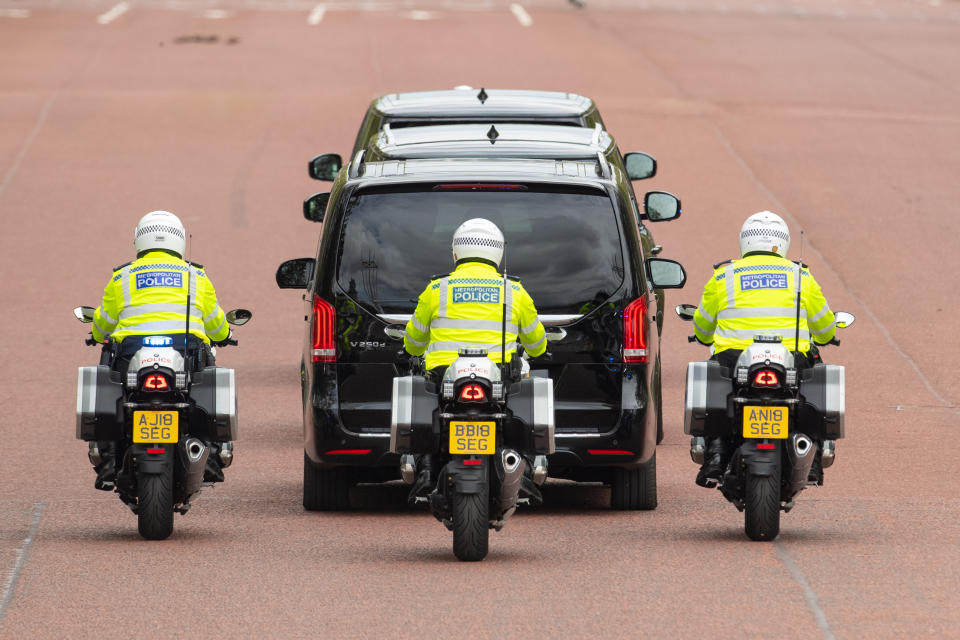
(765, 231)
(478, 238)
(160, 230)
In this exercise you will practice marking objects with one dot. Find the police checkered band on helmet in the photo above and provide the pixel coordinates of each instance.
(765, 232)
(768, 232)
(478, 242)
(160, 228)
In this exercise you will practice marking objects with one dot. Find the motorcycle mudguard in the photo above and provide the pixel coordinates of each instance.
(760, 462)
(152, 463)
(468, 479)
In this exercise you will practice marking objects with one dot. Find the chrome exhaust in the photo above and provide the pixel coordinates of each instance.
(801, 451)
(510, 466)
(226, 454)
(698, 449)
(829, 455)
(408, 468)
(193, 456)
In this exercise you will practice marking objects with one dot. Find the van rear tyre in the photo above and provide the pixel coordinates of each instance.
(325, 489)
(635, 489)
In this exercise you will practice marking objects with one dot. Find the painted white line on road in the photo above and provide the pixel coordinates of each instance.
(422, 15)
(29, 141)
(521, 14)
(317, 14)
(14, 13)
(808, 593)
(115, 12)
(11, 583)
(215, 14)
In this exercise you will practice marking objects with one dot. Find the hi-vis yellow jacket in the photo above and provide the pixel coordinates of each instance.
(758, 294)
(149, 296)
(465, 309)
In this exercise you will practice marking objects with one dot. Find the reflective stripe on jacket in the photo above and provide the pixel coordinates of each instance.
(758, 294)
(149, 296)
(465, 309)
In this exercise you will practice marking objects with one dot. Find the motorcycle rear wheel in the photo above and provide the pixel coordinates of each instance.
(471, 524)
(761, 513)
(155, 505)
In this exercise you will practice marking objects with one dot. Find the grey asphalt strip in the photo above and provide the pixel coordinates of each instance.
(818, 613)
(10, 587)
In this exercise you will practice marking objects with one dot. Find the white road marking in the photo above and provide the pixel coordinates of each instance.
(14, 13)
(422, 15)
(115, 12)
(215, 14)
(521, 14)
(11, 583)
(29, 141)
(818, 613)
(317, 14)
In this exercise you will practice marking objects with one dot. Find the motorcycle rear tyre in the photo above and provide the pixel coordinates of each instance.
(155, 505)
(761, 512)
(471, 524)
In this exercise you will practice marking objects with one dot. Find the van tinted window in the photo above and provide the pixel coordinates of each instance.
(564, 244)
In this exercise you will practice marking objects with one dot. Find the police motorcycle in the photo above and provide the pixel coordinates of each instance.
(490, 426)
(777, 416)
(168, 409)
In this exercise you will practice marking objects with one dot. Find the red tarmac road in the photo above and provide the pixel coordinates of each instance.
(843, 116)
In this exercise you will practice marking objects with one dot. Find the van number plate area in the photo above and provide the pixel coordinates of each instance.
(473, 438)
(155, 426)
(765, 422)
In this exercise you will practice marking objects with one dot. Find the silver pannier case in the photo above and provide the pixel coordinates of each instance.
(824, 390)
(705, 394)
(411, 415)
(98, 395)
(533, 405)
(214, 389)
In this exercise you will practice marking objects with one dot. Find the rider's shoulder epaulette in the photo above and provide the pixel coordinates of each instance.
(803, 265)
(196, 264)
(514, 278)
(438, 276)
(125, 264)
(720, 264)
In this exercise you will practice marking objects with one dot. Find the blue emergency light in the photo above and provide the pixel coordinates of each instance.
(157, 341)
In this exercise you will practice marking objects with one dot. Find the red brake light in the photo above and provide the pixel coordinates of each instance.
(766, 378)
(635, 332)
(479, 186)
(156, 382)
(472, 393)
(324, 324)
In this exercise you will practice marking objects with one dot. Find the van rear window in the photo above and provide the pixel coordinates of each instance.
(563, 244)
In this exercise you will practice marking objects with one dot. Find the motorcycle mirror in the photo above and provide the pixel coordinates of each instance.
(555, 334)
(239, 316)
(394, 331)
(844, 319)
(84, 314)
(686, 311)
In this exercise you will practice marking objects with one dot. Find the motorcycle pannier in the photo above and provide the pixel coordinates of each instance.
(411, 416)
(97, 398)
(825, 398)
(214, 390)
(705, 395)
(533, 405)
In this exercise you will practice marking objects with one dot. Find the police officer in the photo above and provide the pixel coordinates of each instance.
(465, 309)
(149, 297)
(758, 294)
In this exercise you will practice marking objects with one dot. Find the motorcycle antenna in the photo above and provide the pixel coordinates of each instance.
(796, 339)
(503, 325)
(186, 337)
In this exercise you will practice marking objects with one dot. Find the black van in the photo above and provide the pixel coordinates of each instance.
(573, 240)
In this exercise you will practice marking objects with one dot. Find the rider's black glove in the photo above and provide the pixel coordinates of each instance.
(228, 340)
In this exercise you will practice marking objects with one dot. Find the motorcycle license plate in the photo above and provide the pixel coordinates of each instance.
(473, 438)
(156, 426)
(765, 422)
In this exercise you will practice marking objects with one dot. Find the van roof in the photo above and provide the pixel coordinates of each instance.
(452, 103)
(595, 173)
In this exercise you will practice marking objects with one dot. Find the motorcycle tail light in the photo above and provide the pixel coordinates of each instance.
(766, 378)
(324, 325)
(472, 393)
(156, 382)
(635, 332)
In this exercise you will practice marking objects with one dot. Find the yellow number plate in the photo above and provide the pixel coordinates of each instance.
(473, 438)
(765, 422)
(156, 426)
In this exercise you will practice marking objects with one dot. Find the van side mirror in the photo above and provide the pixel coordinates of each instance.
(326, 166)
(315, 206)
(295, 274)
(640, 165)
(660, 206)
(665, 274)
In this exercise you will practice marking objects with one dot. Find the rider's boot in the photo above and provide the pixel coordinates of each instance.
(213, 471)
(425, 480)
(713, 463)
(105, 464)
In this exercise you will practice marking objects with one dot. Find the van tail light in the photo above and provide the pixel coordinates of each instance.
(635, 332)
(766, 378)
(324, 324)
(472, 393)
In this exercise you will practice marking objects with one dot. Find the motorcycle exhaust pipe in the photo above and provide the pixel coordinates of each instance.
(510, 466)
(829, 455)
(193, 455)
(801, 451)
